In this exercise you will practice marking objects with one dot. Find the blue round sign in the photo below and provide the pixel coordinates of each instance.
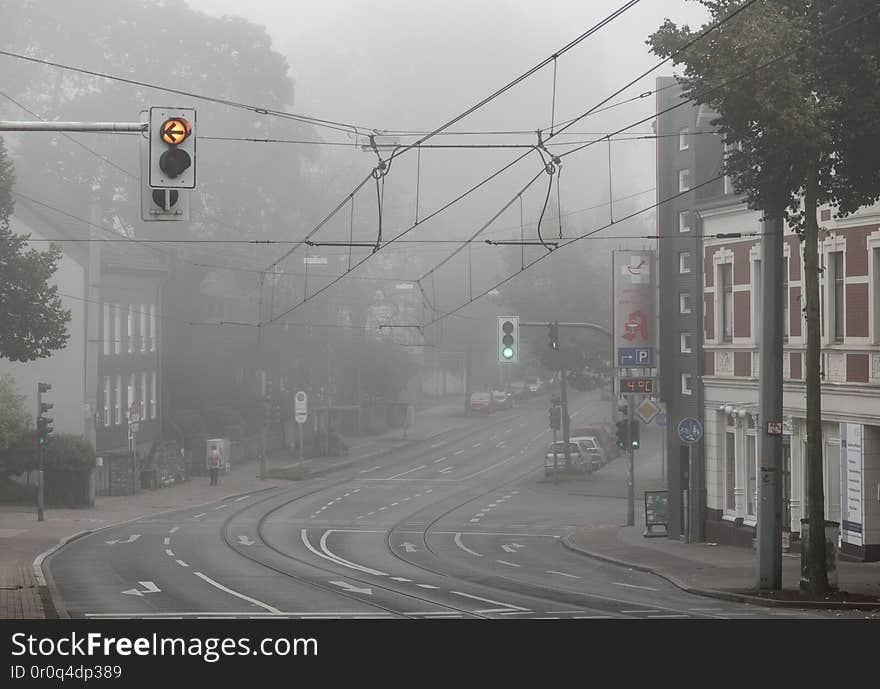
(690, 430)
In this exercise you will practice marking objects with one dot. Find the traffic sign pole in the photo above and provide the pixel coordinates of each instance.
(630, 488)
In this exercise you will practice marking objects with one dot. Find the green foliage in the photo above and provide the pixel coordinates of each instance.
(14, 420)
(68, 452)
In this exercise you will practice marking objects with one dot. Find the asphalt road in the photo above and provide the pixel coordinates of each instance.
(463, 526)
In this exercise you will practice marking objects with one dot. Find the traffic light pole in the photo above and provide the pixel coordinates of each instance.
(630, 483)
(40, 495)
(41, 126)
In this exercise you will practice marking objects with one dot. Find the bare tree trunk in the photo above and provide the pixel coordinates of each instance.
(815, 548)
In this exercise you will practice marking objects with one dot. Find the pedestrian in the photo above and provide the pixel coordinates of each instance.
(214, 462)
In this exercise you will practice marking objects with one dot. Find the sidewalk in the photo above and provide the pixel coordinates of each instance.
(23, 593)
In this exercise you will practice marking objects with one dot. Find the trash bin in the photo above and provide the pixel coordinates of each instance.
(832, 541)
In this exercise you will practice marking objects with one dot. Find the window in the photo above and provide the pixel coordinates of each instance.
(684, 303)
(684, 223)
(143, 409)
(130, 328)
(758, 304)
(143, 332)
(684, 262)
(726, 270)
(686, 342)
(117, 409)
(683, 139)
(107, 398)
(153, 396)
(108, 329)
(751, 470)
(837, 285)
(117, 327)
(152, 327)
(132, 394)
(684, 180)
(730, 470)
(786, 297)
(686, 388)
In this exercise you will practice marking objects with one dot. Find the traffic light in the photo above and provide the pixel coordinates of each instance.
(44, 423)
(555, 418)
(172, 144)
(621, 433)
(553, 334)
(634, 434)
(508, 339)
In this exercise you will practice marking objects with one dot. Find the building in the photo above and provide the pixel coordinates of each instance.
(717, 379)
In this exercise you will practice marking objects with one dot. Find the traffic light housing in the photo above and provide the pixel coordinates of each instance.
(628, 434)
(172, 148)
(555, 418)
(44, 423)
(621, 433)
(634, 434)
(508, 339)
(553, 335)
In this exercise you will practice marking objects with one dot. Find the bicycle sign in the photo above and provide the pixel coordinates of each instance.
(690, 430)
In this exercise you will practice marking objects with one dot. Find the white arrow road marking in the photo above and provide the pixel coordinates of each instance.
(633, 586)
(244, 540)
(408, 472)
(130, 539)
(367, 471)
(409, 547)
(506, 606)
(149, 587)
(353, 589)
(511, 547)
(206, 578)
(457, 539)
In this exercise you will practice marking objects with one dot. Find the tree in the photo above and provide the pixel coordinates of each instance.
(34, 321)
(801, 126)
(14, 420)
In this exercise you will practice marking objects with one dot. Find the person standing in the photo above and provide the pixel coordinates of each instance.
(214, 462)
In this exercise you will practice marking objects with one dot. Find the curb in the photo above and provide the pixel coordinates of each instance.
(715, 593)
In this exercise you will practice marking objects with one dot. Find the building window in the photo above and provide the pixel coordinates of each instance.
(117, 328)
(726, 270)
(684, 180)
(786, 298)
(684, 223)
(837, 309)
(751, 469)
(152, 327)
(143, 409)
(683, 139)
(687, 342)
(117, 409)
(757, 301)
(132, 395)
(153, 396)
(107, 401)
(108, 329)
(684, 262)
(730, 470)
(130, 327)
(684, 303)
(143, 332)
(686, 388)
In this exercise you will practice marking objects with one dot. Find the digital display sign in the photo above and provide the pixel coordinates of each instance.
(637, 386)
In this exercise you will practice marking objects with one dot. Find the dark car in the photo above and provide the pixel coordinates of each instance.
(503, 400)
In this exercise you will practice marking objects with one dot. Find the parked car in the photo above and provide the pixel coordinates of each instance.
(579, 462)
(482, 402)
(534, 385)
(518, 388)
(592, 448)
(606, 440)
(503, 400)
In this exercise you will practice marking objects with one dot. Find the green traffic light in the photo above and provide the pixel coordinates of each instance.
(507, 352)
(635, 444)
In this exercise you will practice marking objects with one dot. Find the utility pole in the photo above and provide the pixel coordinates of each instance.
(261, 376)
(770, 415)
(563, 398)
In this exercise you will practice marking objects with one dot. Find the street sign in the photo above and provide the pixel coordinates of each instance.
(656, 510)
(635, 357)
(660, 419)
(690, 430)
(647, 410)
(634, 307)
(300, 407)
(636, 386)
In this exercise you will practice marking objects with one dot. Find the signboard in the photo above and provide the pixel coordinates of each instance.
(656, 509)
(636, 386)
(690, 430)
(634, 308)
(851, 521)
(660, 419)
(300, 407)
(647, 410)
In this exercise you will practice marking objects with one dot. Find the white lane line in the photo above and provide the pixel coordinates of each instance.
(199, 516)
(346, 563)
(221, 507)
(458, 452)
(166, 541)
(430, 490)
(173, 530)
(508, 430)
(332, 558)
(370, 514)
(477, 445)
(356, 490)
(634, 586)
(506, 606)
(665, 617)
(489, 468)
(505, 562)
(360, 516)
(254, 601)
(634, 612)
(562, 574)
(182, 563)
(591, 617)
(407, 472)
(436, 445)
(367, 471)
(243, 497)
(400, 579)
(395, 504)
(480, 514)
(383, 508)
(461, 545)
(442, 459)
(427, 586)
(168, 552)
(474, 520)
(501, 444)
(446, 470)
(346, 495)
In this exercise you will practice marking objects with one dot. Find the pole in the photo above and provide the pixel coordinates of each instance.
(563, 398)
(300, 441)
(555, 459)
(260, 373)
(770, 445)
(38, 126)
(630, 488)
(40, 494)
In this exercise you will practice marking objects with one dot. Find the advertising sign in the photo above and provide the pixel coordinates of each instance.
(634, 308)
(851, 521)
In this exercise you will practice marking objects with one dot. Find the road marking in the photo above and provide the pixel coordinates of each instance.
(461, 545)
(149, 587)
(505, 562)
(633, 586)
(458, 452)
(244, 540)
(506, 606)
(400, 579)
(563, 574)
(346, 495)
(494, 437)
(352, 588)
(199, 516)
(476, 444)
(480, 514)
(436, 445)
(221, 507)
(665, 617)
(638, 611)
(407, 498)
(491, 506)
(173, 530)
(167, 541)
(408, 472)
(370, 514)
(427, 586)
(489, 468)
(493, 533)
(395, 504)
(367, 471)
(182, 563)
(254, 601)
(243, 497)
(511, 547)
(327, 555)
(446, 470)
(130, 539)
(168, 552)
(408, 547)
(474, 520)
(442, 459)
(356, 490)
(383, 508)
(592, 617)
(501, 444)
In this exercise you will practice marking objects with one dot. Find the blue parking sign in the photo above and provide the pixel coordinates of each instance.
(690, 430)
(635, 357)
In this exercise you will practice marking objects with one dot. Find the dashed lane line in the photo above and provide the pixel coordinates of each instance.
(442, 459)
(510, 564)
(422, 466)
(562, 574)
(634, 586)
(182, 563)
(504, 606)
(173, 530)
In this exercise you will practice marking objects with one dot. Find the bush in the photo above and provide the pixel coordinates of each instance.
(68, 452)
